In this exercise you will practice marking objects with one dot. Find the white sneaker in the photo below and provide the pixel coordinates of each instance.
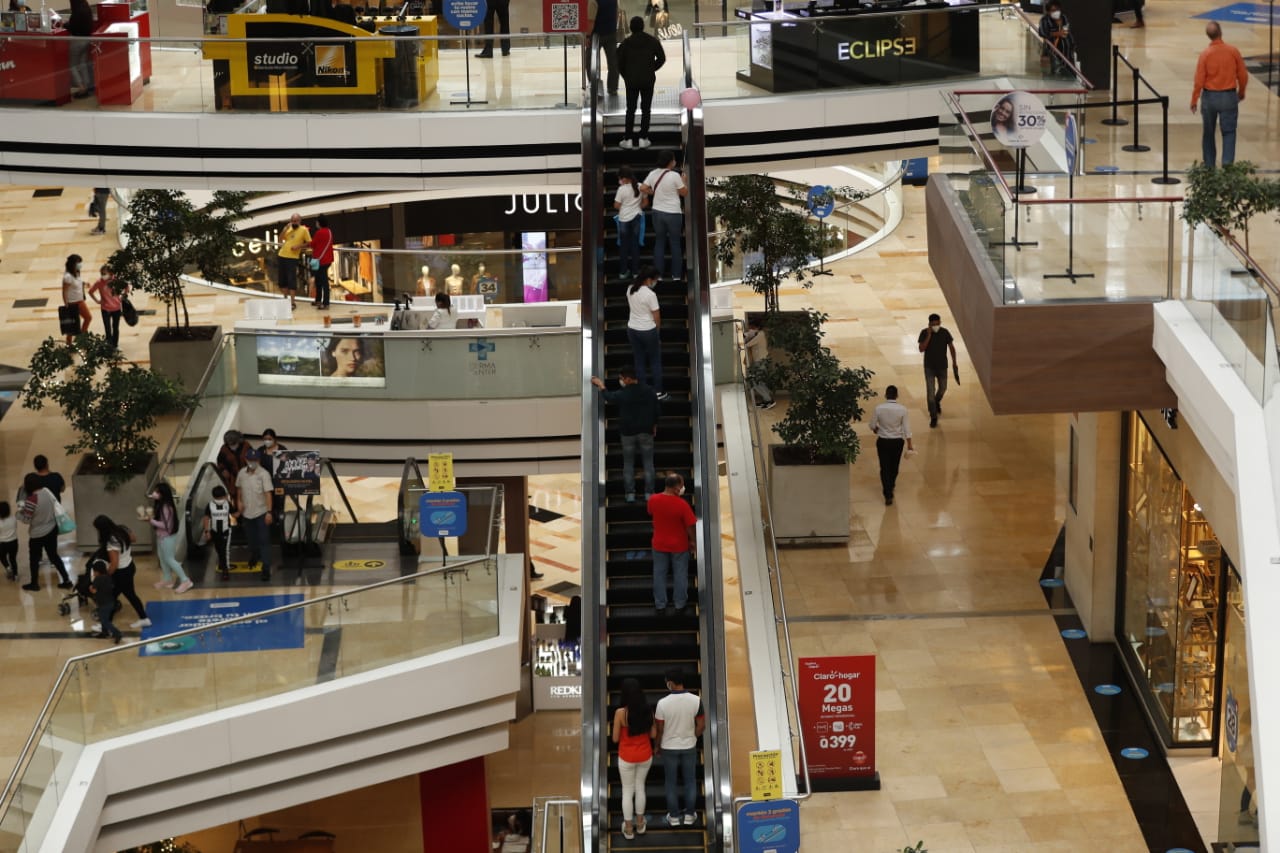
(141, 623)
(164, 584)
(184, 586)
(643, 143)
(690, 820)
(95, 628)
(627, 143)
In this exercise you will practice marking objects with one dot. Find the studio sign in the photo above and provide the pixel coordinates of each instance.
(875, 49)
(281, 60)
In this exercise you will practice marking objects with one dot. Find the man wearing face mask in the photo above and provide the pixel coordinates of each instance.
(674, 528)
(935, 342)
(254, 491)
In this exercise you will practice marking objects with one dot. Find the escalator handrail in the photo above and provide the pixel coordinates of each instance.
(192, 491)
(594, 777)
(410, 469)
(342, 493)
(717, 776)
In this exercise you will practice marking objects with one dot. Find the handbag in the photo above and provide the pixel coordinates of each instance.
(69, 319)
(127, 311)
(313, 263)
(66, 524)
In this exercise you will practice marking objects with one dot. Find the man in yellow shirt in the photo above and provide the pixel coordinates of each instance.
(293, 240)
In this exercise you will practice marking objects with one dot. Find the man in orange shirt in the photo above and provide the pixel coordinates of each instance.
(1221, 76)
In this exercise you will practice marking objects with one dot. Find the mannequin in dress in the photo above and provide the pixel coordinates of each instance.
(426, 284)
(455, 283)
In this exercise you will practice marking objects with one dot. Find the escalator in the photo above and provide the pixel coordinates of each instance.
(634, 640)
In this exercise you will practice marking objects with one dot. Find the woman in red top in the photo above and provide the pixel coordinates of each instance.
(322, 255)
(633, 732)
(103, 292)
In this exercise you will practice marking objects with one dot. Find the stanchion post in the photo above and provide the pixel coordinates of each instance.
(1136, 146)
(1115, 120)
(1164, 117)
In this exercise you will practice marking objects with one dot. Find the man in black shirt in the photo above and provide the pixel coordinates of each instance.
(639, 57)
(49, 479)
(638, 423)
(935, 341)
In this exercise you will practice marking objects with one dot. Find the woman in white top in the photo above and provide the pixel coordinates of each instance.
(8, 541)
(443, 316)
(642, 330)
(73, 293)
(667, 188)
(628, 201)
(115, 545)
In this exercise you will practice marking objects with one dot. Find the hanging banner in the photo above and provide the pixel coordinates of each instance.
(838, 715)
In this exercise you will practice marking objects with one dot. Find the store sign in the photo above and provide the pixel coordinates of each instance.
(847, 50)
(273, 58)
(8, 65)
(297, 472)
(838, 715)
(442, 514)
(331, 60)
(771, 826)
(545, 203)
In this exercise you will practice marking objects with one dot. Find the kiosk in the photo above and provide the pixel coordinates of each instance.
(35, 66)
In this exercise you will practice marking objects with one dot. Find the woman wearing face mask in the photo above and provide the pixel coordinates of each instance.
(73, 293)
(1058, 48)
(271, 448)
(164, 518)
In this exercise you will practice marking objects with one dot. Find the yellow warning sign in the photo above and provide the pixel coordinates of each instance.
(440, 472)
(358, 565)
(239, 567)
(766, 774)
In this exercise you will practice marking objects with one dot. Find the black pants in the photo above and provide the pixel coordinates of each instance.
(124, 583)
(890, 452)
(644, 94)
(322, 285)
(501, 9)
(47, 543)
(220, 542)
(9, 557)
(111, 327)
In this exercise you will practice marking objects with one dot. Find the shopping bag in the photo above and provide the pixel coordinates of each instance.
(127, 311)
(66, 524)
(69, 319)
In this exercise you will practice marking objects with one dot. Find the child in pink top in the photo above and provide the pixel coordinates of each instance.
(103, 292)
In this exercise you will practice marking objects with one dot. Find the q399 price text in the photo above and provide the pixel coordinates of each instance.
(838, 714)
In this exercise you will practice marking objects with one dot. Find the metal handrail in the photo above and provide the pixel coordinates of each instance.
(562, 802)
(24, 757)
(775, 569)
(171, 449)
(1034, 29)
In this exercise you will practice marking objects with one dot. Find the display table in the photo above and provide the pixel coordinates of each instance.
(35, 67)
(283, 72)
(125, 13)
(811, 48)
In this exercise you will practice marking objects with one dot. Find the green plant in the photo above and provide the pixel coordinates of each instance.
(826, 397)
(112, 404)
(753, 217)
(167, 845)
(166, 236)
(1227, 198)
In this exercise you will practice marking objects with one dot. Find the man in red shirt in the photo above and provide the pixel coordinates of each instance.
(1222, 77)
(673, 541)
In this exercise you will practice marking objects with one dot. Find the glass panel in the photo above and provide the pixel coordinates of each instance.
(1238, 808)
(64, 735)
(478, 589)
(13, 824)
(171, 682)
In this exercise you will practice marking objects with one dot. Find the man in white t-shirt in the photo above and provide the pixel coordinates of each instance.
(667, 188)
(680, 724)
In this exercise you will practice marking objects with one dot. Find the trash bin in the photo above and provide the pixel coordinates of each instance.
(400, 72)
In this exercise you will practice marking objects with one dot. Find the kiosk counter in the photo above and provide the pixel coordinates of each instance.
(35, 67)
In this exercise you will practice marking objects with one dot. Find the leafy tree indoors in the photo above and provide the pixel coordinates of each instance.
(112, 404)
(1227, 198)
(165, 236)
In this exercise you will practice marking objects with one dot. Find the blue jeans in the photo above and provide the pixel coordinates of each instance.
(685, 760)
(646, 352)
(1219, 108)
(105, 614)
(666, 227)
(629, 245)
(678, 566)
(167, 552)
(255, 531)
(642, 441)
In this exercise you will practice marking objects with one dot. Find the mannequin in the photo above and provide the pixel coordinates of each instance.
(455, 283)
(486, 285)
(426, 284)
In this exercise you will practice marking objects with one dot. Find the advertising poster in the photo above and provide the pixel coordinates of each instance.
(838, 715)
(769, 826)
(442, 514)
(1018, 120)
(297, 472)
(327, 361)
(280, 631)
(533, 260)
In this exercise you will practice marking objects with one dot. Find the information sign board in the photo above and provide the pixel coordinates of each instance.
(838, 715)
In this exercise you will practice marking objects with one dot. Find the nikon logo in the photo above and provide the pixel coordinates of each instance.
(331, 61)
(331, 69)
(276, 60)
(847, 50)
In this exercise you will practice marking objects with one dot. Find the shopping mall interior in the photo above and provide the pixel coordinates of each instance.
(1051, 609)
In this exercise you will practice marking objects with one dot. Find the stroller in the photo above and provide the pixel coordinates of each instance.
(80, 593)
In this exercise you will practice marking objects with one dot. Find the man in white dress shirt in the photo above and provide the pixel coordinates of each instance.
(889, 423)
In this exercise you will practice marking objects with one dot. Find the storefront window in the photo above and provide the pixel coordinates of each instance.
(1238, 812)
(1172, 578)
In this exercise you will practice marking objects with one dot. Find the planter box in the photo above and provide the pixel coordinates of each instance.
(92, 500)
(184, 359)
(810, 503)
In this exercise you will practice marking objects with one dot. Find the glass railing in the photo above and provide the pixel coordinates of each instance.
(181, 456)
(129, 688)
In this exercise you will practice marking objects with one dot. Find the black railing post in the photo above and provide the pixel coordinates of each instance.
(1115, 120)
(1136, 146)
(1164, 117)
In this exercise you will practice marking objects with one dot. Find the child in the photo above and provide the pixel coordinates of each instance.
(8, 541)
(104, 597)
(217, 529)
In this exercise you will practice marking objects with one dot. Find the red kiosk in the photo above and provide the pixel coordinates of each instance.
(122, 56)
(35, 66)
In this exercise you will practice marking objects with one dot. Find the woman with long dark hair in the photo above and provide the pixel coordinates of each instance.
(633, 732)
(642, 330)
(628, 201)
(164, 518)
(115, 543)
(73, 292)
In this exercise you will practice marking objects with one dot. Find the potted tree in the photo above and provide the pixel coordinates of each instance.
(1227, 198)
(809, 471)
(165, 237)
(112, 405)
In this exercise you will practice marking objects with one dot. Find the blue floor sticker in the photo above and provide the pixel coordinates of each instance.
(1134, 752)
(1074, 633)
(1240, 13)
(1051, 582)
(282, 631)
(1107, 689)
(1106, 170)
